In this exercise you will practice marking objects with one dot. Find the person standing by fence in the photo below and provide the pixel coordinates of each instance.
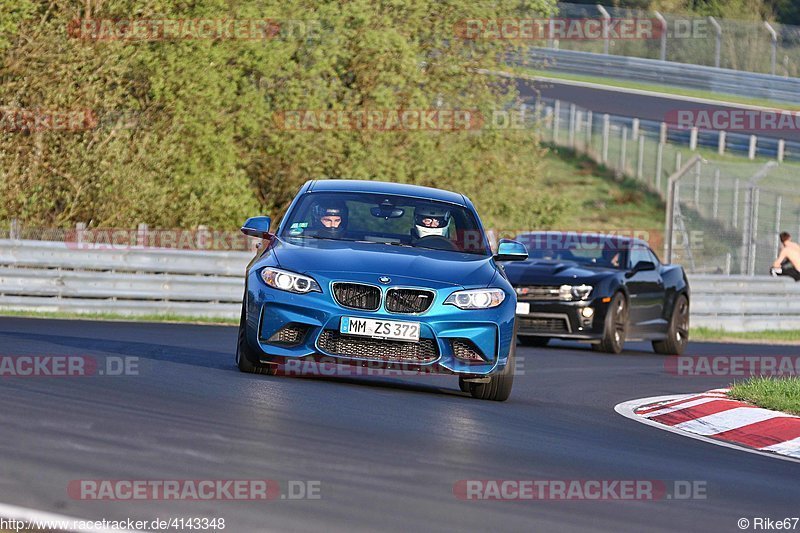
(788, 261)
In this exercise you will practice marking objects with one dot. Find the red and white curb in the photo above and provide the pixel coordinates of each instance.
(714, 417)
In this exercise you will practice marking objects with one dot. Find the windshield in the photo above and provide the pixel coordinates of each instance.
(585, 249)
(386, 218)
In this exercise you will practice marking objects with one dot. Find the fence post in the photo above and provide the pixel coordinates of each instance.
(664, 30)
(659, 165)
(697, 188)
(728, 264)
(745, 249)
(640, 161)
(635, 129)
(141, 235)
(754, 232)
(774, 53)
(751, 153)
(556, 120)
(80, 230)
(677, 161)
(662, 133)
(578, 126)
(718, 44)
(777, 223)
(693, 139)
(606, 130)
(721, 143)
(572, 125)
(735, 216)
(14, 232)
(715, 204)
(589, 131)
(672, 188)
(781, 150)
(623, 155)
(606, 19)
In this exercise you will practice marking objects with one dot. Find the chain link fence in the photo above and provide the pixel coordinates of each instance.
(752, 46)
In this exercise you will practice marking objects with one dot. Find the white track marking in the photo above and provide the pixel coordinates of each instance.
(790, 447)
(678, 407)
(626, 409)
(728, 420)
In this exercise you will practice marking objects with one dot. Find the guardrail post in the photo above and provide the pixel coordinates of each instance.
(662, 133)
(589, 131)
(721, 143)
(640, 160)
(774, 53)
(606, 21)
(781, 150)
(606, 131)
(718, 43)
(663, 22)
(623, 155)
(578, 126)
(571, 125)
(751, 152)
(635, 129)
(556, 120)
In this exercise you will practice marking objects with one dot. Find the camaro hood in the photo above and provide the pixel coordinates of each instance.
(439, 267)
(554, 273)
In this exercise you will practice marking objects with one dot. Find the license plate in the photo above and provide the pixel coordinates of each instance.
(383, 329)
(523, 308)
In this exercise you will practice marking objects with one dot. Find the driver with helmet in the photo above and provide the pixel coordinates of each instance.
(330, 219)
(431, 221)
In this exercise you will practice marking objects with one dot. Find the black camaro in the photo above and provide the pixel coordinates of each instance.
(598, 288)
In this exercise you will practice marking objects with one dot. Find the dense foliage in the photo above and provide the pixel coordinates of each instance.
(184, 132)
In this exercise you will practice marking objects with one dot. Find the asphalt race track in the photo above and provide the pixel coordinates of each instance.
(387, 451)
(618, 102)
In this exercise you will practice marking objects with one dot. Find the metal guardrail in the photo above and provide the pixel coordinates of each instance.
(712, 79)
(46, 276)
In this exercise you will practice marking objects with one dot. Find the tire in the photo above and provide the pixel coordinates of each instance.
(533, 341)
(616, 325)
(246, 357)
(678, 331)
(463, 385)
(499, 387)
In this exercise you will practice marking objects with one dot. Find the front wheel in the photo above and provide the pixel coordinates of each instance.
(246, 357)
(499, 387)
(678, 331)
(616, 325)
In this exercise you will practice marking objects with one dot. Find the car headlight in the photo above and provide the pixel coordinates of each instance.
(476, 298)
(574, 292)
(289, 281)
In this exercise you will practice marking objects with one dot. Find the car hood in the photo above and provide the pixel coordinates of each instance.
(554, 273)
(435, 267)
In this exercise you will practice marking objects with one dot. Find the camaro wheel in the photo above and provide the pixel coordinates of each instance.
(678, 332)
(246, 358)
(499, 387)
(616, 325)
(533, 341)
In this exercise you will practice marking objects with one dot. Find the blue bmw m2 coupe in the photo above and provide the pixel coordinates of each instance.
(366, 272)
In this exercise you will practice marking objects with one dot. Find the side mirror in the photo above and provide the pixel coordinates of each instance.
(642, 266)
(257, 227)
(508, 250)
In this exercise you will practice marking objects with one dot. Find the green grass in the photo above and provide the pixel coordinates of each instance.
(668, 89)
(780, 394)
(767, 335)
(166, 317)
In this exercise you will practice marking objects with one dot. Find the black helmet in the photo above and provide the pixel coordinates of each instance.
(331, 208)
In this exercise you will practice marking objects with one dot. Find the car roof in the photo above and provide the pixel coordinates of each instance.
(617, 239)
(384, 187)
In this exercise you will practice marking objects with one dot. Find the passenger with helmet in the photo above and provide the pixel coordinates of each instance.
(330, 219)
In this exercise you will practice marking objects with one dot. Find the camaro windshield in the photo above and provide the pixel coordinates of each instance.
(385, 218)
(585, 249)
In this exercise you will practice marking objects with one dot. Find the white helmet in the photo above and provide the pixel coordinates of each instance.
(438, 222)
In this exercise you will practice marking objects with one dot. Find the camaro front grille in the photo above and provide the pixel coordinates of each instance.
(537, 292)
(408, 300)
(357, 296)
(424, 351)
(543, 324)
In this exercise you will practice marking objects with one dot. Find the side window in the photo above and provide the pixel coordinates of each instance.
(652, 257)
(638, 253)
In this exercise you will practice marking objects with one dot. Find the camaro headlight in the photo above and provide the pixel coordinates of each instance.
(289, 281)
(476, 298)
(574, 292)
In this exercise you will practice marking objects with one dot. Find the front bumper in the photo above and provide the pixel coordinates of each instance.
(564, 320)
(444, 331)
